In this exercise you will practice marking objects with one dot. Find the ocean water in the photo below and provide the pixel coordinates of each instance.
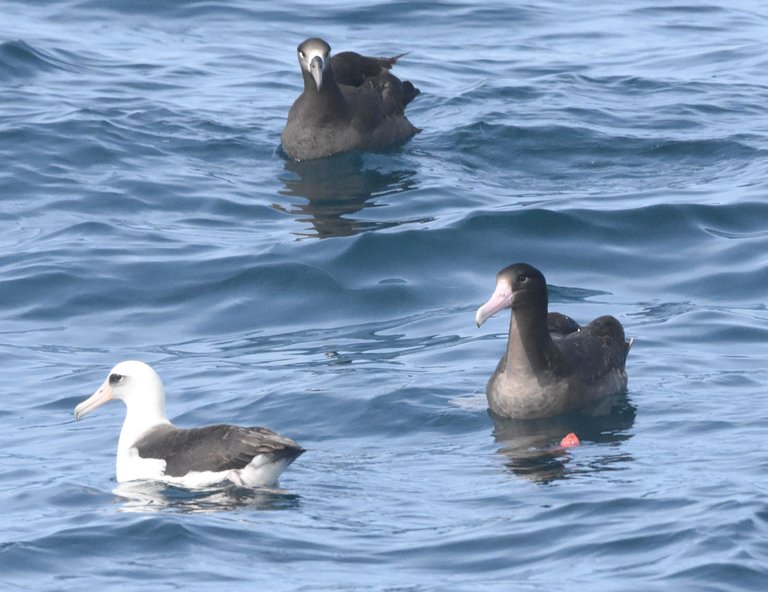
(147, 212)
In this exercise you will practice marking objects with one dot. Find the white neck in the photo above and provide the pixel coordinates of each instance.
(139, 419)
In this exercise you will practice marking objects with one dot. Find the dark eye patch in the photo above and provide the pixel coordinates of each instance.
(116, 378)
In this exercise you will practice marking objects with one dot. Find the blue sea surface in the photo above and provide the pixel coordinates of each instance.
(148, 212)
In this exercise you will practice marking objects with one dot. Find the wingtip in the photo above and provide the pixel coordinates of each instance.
(394, 59)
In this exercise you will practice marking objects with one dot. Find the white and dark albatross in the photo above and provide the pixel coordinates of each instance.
(152, 448)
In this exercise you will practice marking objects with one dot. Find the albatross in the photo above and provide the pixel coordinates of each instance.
(152, 448)
(552, 364)
(350, 102)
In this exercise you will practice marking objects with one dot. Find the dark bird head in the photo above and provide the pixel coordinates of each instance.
(515, 284)
(314, 58)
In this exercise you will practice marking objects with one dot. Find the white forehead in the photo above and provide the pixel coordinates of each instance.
(135, 369)
(310, 55)
(313, 48)
(129, 365)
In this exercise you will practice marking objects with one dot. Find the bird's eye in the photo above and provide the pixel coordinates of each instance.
(522, 277)
(116, 378)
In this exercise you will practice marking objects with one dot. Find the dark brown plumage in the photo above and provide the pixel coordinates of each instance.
(213, 448)
(552, 365)
(350, 102)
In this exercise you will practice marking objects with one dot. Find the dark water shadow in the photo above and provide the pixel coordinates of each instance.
(532, 447)
(148, 496)
(339, 186)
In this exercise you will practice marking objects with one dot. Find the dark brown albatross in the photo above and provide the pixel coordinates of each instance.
(552, 365)
(350, 102)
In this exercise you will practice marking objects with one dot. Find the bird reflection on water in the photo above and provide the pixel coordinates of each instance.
(532, 451)
(152, 496)
(342, 185)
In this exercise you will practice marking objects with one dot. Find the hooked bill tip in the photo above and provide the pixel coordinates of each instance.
(480, 317)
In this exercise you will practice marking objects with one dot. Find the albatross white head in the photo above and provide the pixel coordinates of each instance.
(138, 386)
(134, 383)
(314, 59)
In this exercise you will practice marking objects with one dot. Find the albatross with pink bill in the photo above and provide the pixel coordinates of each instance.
(152, 448)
